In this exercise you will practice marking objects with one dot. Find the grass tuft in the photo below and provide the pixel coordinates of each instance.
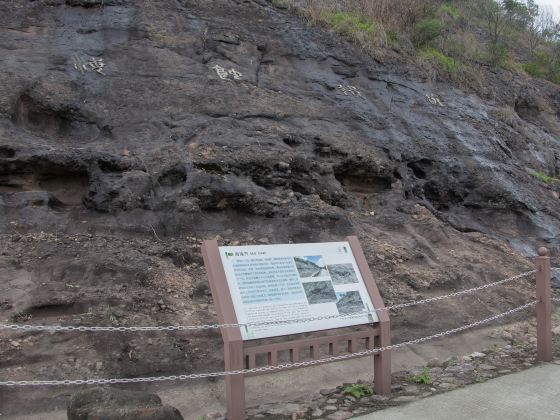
(443, 61)
(347, 23)
(450, 10)
(541, 176)
(358, 390)
(422, 378)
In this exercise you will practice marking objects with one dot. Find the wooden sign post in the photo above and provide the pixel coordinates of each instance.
(267, 284)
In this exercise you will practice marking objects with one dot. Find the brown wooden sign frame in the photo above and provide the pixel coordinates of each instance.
(239, 355)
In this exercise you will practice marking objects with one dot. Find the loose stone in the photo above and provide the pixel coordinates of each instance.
(326, 392)
(411, 389)
(340, 415)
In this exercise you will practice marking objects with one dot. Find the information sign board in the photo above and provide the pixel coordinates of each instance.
(271, 283)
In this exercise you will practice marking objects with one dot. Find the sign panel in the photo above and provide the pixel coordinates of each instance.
(298, 281)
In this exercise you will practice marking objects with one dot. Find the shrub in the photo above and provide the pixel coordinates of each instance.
(462, 45)
(347, 23)
(450, 10)
(355, 26)
(505, 114)
(535, 69)
(443, 61)
(358, 390)
(426, 30)
(543, 66)
(393, 35)
(498, 55)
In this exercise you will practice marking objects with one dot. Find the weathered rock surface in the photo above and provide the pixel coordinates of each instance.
(118, 404)
(280, 142)
(109, 180)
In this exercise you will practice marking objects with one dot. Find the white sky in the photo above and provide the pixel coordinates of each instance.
(554, 4)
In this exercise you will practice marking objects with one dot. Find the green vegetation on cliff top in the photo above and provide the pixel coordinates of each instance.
(454, 39)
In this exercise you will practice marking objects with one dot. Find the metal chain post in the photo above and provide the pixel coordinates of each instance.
(544, 306)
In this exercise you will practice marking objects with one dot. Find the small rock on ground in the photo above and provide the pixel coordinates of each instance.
(340, 415)
(118, 404)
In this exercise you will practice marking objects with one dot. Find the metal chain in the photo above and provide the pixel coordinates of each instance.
(266, 368)
(113, 329)
(60, 328)
(462, 292)
(175, 327)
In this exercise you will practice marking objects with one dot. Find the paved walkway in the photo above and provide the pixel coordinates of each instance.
(531, 394)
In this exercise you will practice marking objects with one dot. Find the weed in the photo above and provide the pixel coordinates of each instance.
(498, 55)
(544, 177)
(543, 66)
(358, 390)
(422, 378)
(393, 36)
(347, 23)
(450, 10)
(113, 318)
(355, 26)
(505, 114)
(443, 61)
(535, 69)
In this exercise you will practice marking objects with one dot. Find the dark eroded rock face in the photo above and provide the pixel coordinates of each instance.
(118, 404)
(161, 137)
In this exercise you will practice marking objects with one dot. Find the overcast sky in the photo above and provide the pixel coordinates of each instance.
(555, 4)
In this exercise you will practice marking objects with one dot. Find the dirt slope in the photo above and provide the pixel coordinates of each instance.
(109, 181)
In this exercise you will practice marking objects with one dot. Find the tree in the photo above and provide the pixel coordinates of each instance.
(521, 14)
(502, 17)
(496, 17)
(542, 26)
(548, 25)
(534, 26)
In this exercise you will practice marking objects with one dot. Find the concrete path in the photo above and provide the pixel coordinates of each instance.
(532, 394)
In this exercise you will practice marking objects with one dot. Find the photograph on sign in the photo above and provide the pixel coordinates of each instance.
(342, 273)
(275, 283)
(319, 292)
(311, 266)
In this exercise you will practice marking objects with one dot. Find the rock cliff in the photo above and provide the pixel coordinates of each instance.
(130, 130)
